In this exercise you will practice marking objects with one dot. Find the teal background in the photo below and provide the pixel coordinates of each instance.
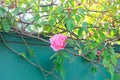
(14, 67)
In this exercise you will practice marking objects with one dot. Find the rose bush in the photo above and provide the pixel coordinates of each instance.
(90, 26)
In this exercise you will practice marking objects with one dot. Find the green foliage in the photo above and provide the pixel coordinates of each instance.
(6, 25)
(18, 10)
(94, 70)
(115, 77)
(77, 17)
(82, 12)
(114, 59)
(58, 60)
(70, 24)
(80, 31)
(2, 11)
(31, 52)
(110, 61)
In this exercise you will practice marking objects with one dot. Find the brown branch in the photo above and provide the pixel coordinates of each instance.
(97, 11)
(51, 4)
(80, 55)
(111, 39)
(29, 35)
(88, 10)
(71, 33)
(30, 23)
(29, 61)
(21, 21)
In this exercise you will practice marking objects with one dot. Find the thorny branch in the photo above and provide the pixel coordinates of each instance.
(29, 61)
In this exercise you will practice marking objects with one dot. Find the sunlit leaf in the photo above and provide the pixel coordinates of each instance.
(31, 52)
(77, 17)
(70, 24)
(111, 69)
(80, 31)
(82, 12)
(6, 25)
(2, 11)
(105, 62)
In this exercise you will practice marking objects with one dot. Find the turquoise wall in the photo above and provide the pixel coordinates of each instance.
(14, 67)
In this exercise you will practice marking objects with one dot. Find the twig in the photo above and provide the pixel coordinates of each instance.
(38, 6)
(92, 61)
(33, 55)
(79, 55)
(35, 65)
(33, 36)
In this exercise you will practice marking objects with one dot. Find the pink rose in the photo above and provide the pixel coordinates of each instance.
(98, 52)
(58, 42)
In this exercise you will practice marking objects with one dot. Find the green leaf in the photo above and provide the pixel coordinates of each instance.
(37, 18)
(80, 31)
(94, 70)
(111, 69)
(63, 72)
(82, 12)
(70, 24)
(102, 35)
(106, 55)
(85, 24)
(52, 21)
(60, 9)
(58, 66)
(64, 54)
(62, 1)
(23, 55)
(16, 11)
(115, 77)
(105, 62)
(77, 17)
(72, 2)
(71, 42)
(112, 50)
(6, 25)
(59, 59)
(45, 8)
(114, 59)
(31, 52)
(2, 11)
(106, 25)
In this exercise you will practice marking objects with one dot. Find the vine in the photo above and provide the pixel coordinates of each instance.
(23, 55)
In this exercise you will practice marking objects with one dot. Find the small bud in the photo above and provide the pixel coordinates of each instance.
(98, 53)
(90, 34)
(103, 49)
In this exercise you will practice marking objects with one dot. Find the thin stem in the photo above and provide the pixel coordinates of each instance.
(92, 61)
(80, 55)
(33, 36)
(35, 65)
